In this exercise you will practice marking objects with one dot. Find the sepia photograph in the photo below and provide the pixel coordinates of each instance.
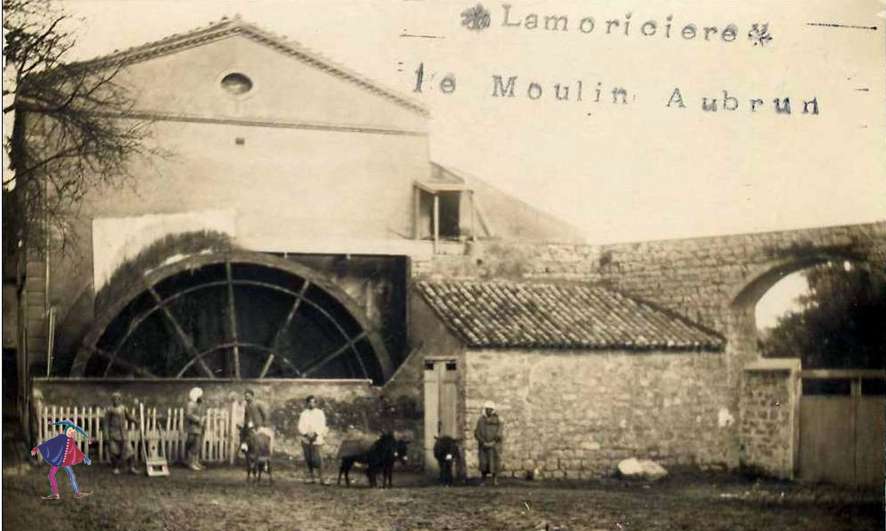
(546, 265)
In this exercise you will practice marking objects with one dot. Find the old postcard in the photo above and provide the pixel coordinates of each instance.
(419, 264)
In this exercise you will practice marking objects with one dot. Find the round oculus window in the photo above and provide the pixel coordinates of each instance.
(236, 83)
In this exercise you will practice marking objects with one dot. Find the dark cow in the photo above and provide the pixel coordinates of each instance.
(446, 452)
(379, 457)
(257, 449)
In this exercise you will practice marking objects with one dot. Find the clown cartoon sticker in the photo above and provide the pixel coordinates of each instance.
(62, 452)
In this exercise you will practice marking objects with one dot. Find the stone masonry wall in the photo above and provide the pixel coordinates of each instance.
(697, 277)
(577, 414)
(768, 425)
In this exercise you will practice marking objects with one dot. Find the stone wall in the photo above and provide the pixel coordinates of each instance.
(577, 414)
(352, 407)
(768, 427)
(698, 278)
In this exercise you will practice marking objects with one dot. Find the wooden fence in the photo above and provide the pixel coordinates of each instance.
(163, 428)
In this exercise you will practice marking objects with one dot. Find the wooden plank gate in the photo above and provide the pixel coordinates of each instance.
(842, 427)
(163, 430)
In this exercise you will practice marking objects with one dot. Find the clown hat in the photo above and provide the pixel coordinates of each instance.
(68, 424)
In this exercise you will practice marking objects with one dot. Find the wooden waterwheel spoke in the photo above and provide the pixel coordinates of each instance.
(232, 322)
(278, 337)
(267, 365)
(313, 367)
(113, 359)
(180, 333)
(279, 359)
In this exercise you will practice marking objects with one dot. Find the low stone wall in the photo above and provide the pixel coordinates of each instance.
(577, 414)
(352, 407)
(768, 406)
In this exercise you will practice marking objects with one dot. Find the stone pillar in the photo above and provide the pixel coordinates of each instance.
(769, 409)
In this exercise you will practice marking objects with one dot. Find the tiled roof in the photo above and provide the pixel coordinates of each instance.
(227, 27)
(558, 316)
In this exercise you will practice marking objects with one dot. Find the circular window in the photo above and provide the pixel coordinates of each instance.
(236, 83)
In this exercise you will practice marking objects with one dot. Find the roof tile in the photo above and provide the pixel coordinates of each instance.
(505, 314)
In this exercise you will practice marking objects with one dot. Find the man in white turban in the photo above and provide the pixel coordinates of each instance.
(489, 434)
(195, 414)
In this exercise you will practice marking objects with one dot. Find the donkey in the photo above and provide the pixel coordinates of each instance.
(256, 447)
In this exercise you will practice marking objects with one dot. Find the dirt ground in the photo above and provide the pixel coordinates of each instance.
(219, 498)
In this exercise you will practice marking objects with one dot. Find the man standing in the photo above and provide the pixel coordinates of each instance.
(312, 427)
(489, 433)
(194, 419)
(256, 415)
(255, 411)
(116, 419)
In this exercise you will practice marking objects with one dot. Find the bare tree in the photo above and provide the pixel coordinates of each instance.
(73, 131)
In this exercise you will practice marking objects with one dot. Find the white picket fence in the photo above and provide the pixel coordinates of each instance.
(167, 432)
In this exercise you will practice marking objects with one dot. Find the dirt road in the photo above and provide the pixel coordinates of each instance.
(220, 499)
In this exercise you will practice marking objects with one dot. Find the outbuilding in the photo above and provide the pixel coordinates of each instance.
(582, 376)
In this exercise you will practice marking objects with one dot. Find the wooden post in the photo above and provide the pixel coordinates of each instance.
(855, 398)
(100, 436)
(141, 430)
(436, 221)
(231, 442)
(416, 213)
(473, 222)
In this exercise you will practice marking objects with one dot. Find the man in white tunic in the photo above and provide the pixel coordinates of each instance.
(313, 430)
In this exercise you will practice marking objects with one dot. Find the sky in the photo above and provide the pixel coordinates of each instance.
(632, 171)
(780, 299)
(625, 172)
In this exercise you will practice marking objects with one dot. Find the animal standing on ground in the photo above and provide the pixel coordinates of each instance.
(446, 452)
(401, 451)
(256, 446)
(379, 457)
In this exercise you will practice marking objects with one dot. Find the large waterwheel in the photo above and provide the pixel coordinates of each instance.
(239, 315)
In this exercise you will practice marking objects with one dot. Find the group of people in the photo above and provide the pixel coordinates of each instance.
(62, 452)
(311, 428)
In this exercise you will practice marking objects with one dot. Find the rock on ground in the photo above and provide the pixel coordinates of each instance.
(641, 469)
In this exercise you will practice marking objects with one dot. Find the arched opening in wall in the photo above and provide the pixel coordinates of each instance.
(830, 315)
(234, 317)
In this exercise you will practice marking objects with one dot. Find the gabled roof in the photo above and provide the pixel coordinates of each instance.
(228, 27)
(558, 316)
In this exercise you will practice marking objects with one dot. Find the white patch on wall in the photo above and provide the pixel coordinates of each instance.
(725, 418)
(115, 240)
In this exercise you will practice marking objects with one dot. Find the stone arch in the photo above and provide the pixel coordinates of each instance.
(741, 325)
(301, 294)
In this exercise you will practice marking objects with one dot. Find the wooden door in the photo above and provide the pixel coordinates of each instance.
(441, 397)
